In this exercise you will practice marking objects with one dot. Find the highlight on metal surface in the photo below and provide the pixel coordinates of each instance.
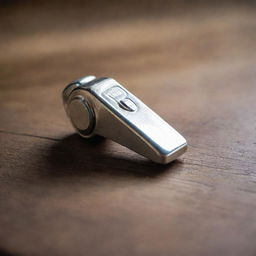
(104, 107)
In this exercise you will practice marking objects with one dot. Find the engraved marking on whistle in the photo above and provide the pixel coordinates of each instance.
(116, 93)
(127, 104)
(121, 97)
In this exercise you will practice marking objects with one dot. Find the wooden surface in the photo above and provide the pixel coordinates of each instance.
(195, 66)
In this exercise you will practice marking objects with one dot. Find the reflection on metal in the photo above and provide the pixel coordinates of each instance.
(104, 107)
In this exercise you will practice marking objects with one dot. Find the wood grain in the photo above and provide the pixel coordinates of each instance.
(194, 65)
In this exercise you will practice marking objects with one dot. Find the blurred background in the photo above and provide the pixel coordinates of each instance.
(122, 39)
(146, 45)
(194, 63)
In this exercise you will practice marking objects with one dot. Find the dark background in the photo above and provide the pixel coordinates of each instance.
(194, 63)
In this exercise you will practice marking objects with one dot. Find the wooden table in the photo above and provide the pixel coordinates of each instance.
(194, 65)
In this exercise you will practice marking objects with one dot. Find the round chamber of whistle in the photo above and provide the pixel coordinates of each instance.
(81, 116)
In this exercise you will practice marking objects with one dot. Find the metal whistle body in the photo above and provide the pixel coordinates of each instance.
(102, 106)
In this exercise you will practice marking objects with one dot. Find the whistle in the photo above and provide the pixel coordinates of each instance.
(104, 107)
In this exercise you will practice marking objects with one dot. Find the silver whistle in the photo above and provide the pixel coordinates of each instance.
(104, 107)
